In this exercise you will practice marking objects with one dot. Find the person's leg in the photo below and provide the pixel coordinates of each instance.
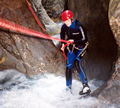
(80, 71)
(82, 75)
(68, 74)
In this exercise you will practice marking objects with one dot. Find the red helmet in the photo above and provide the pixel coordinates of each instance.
(67, 15)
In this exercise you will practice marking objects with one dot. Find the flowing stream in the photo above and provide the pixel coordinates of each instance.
(44, 91)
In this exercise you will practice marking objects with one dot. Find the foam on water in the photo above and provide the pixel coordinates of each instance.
(45, 91)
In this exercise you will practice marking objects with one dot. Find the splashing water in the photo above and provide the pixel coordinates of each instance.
(43, 91)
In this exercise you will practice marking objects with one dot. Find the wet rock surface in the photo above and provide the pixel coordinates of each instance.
(114, 19)
(47, 9)
(27, 55)
(54, 8)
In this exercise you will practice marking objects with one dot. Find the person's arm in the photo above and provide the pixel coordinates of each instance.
(62, 36)
(84, 38)
(62, 33)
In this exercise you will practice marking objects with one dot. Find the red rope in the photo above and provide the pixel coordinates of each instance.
(24, 30)
(64, 50)
(42, 26)
(35, 16)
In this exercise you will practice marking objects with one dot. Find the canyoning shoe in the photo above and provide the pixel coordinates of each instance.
(86, 90)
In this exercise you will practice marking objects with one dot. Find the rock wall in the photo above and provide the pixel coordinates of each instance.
(103, 58)
(54, 8)
(100, 59)
(27, 55)
(114, 19)
(110, 91)
(47, 9)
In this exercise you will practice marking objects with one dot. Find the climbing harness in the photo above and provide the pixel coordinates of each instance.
(82, 52)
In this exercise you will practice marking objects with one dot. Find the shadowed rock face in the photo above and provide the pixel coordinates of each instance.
(110, 91)
(102, 53)
(28, 55)
(102, 58)
(54, 7)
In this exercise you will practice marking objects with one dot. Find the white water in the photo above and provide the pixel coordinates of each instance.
(44, 91)
(55, 42)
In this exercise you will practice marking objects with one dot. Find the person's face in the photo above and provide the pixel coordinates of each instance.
(68, 22)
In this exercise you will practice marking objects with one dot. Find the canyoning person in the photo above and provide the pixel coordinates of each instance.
(72, 31)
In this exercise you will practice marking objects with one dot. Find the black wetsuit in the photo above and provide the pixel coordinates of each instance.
(75, 32)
